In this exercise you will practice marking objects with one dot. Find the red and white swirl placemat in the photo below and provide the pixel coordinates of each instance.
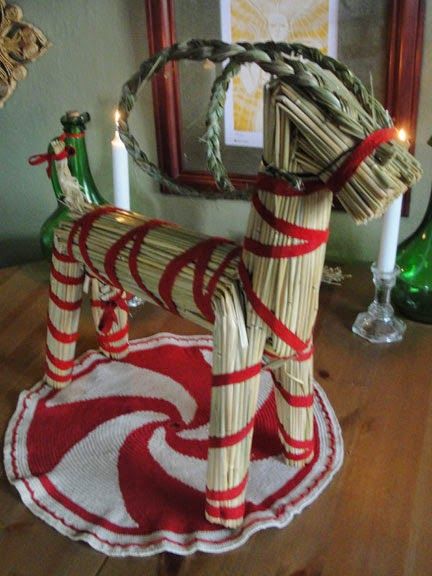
(118, 458)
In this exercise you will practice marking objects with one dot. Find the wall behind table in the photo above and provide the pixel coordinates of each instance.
(96, 46)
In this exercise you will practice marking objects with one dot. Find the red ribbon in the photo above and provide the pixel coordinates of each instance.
(109, 316)
(76, 135)
(136, 235)
(228, 494)
(281, 187)
(236, 377)
(199, 254)
(347, 169)
(50, 158)
(339, 178)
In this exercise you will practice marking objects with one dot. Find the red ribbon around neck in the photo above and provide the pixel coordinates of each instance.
(50, 157)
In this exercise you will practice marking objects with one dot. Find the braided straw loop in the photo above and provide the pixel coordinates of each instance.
(330, 93)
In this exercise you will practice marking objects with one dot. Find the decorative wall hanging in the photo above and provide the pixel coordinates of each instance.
(20, 43)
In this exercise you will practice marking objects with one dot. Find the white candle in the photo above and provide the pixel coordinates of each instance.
(120, 170)
(390, 229)
(389, 237)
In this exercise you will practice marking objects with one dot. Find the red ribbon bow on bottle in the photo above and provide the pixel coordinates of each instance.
(50, 157)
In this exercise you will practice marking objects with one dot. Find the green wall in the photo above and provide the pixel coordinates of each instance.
(96, 46)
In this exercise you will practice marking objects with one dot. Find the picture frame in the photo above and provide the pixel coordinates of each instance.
(404, 54)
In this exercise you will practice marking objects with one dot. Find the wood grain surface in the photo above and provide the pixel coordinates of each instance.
(375, 518)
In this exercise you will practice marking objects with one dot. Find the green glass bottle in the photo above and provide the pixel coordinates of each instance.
(412, 293)
(74, 126)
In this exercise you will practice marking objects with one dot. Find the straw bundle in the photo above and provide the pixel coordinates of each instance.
(161, 245)
(66, 287)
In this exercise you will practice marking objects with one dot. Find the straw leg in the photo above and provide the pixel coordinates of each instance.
(64, 306)
(233, 406)
(110, 315)
(294, 402)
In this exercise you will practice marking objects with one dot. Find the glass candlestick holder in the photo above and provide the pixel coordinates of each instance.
(379, 324)
(135, 302)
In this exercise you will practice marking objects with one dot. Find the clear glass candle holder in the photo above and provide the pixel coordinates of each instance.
(135, 302)
(379, 324)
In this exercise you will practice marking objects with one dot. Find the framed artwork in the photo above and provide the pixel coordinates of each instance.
(379, 39)
(311, 22)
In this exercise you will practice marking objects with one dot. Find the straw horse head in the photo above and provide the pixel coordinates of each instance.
(323, 135)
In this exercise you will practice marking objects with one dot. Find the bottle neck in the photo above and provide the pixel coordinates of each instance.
(79, 164)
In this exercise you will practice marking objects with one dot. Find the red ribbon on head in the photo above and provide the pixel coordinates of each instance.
(339, 178)
(50, 157)
(348, 168)
(281, 187)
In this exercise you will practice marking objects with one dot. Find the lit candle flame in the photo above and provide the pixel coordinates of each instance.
(117, 118)
(402, 135)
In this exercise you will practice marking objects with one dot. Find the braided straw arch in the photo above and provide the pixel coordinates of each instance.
(281, 60)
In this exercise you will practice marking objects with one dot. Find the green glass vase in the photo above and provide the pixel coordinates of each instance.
(412, 294)
(74, 126)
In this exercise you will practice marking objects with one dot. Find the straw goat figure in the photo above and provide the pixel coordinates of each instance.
(323, 135)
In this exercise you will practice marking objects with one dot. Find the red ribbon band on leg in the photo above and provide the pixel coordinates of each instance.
(62, 257)
(67, 280)
(306, 446)
(64, 304)
(228, 494)
(231, 439)
(109, 315)
(114, 349)
(57, 362)
(296, 401)
(64, 337)
(114, 337)
(226, 512)
(61, 379)
(236, 377)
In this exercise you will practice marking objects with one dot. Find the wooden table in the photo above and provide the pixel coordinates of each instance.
(374, 519)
